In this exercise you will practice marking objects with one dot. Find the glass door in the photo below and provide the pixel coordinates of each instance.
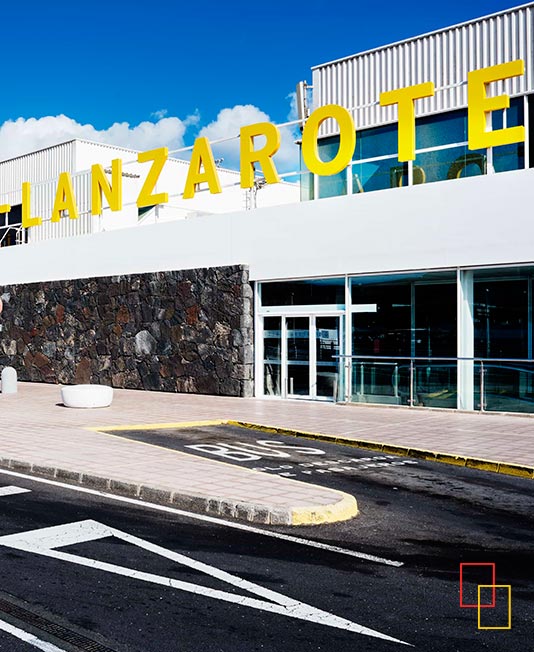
(327, 346)
(298, 357)
(272, 356)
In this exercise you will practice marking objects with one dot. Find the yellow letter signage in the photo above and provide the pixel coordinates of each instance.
(480, 106)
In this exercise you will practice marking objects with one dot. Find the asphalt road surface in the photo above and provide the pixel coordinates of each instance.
(80, 571)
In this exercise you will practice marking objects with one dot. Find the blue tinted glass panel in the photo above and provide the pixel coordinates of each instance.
(306, 181)
(380, 141)
(515, 114)
(378, 175)
(497, 118)
(328, 148)
(306, 186)
(442, 129)
(336, 184)
(509, 157)
(453, 163)
(333, 185)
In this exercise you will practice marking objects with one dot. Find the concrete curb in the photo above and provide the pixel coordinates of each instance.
(263, 513)
(504, 468)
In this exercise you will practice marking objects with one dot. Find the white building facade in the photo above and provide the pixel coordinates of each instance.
(42, 169)
(390, 282)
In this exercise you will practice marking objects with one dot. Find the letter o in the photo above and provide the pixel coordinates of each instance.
(347, 140)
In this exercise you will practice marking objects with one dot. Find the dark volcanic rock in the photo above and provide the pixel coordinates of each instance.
(185, 331)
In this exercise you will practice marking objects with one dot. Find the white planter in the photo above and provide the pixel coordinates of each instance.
(87, 396)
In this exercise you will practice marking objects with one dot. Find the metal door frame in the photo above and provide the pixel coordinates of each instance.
(312, 358)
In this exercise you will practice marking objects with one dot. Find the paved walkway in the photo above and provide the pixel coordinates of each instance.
(39, 435)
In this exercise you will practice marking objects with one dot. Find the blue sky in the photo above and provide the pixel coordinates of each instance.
(180, 63)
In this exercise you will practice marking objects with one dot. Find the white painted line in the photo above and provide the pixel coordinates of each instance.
(11, 491)
(211, 519)
(29, 638)
(45, 540)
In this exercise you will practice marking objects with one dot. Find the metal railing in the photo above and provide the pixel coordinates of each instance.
(362, 370)
(6, 232)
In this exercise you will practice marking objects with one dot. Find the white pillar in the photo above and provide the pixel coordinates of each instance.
(466, 340)
(345, 364)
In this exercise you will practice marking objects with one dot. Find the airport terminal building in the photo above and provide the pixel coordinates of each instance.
(392, 282)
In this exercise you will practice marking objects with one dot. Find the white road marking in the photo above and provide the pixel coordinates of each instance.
(211, 519)
(45, 540)
(11, 491)
(29, 638)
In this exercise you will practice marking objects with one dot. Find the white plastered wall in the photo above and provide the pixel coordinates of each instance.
(467, 222)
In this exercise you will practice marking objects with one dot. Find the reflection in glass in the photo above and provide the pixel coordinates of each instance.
(452, 163)
(442, 129)
(435, 384)
(509, 157)
(508, 386)
(379, 141)
(323, 291)
(388, 330)
(333, 185)
(272, 356)
(298, 355)
(501, 319)
(378, 175)
(380, 381)
(435, 320)
(306, 181)
(501, 331)
(327, 346)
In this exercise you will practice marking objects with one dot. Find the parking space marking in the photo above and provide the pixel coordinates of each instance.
(265, 450)
(44, 542)
(29, 638)
(12, 491)
(211, 519)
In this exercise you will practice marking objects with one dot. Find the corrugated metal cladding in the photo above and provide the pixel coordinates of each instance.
(36, 167)
(444, 57)
(42, 202)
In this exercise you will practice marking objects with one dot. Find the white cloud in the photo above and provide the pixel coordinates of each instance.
(293, 113)
(161, 113)
(228, 123)
(26, 135)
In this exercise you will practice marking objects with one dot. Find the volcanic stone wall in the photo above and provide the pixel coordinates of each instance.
(180, 331)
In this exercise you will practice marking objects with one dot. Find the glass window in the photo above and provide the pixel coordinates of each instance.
(509, 157)
(501, 319)
(379, 141)
(306, 181)
(453, 163)
(333, 185)
(441, 129)
(435, 320)
(378, 175)
(302, 293)
(501, 331)
(388, 330)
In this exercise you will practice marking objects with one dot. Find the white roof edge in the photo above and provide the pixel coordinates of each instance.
(125, 149)
(42, 149)
(415, 38)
